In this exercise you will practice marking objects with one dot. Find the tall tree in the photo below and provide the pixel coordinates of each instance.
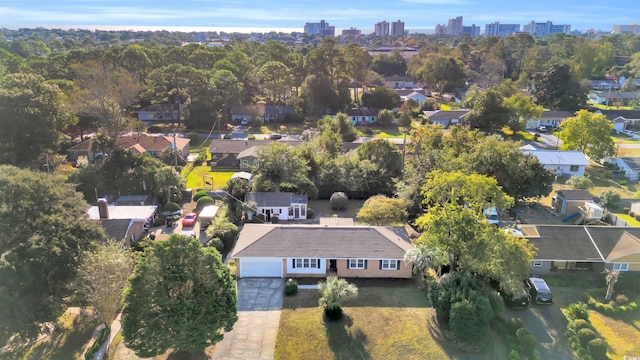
(489, 112)
(589, 133)
(276, 78)
(45, 233)
(103, 277)
(279, 164)
(555, 88)
(181, 296)
(441, 72)
(381, 98)
(381, 210)
(521, 109)
(33, 118)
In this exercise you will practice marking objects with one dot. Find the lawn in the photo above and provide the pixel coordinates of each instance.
(391, 321)
(627, 152)
(201, 174)
(285, 129)
(67, 342)
(379, 132)
(628, 219)
(322, 208)
(621, 333)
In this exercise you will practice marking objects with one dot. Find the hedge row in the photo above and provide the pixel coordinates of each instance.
(613, 307)
(583, 338)
(521, 342)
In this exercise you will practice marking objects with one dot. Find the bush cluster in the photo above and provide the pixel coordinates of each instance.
(339, 201)
(204, 201)
(171, 207)
(620, 306)
(199, 194)
(581, 334)
(290, 287)
(521, 342)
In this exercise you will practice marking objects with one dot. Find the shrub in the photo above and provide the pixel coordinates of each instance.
(528, 343)
(580, 324)
(310, 213)
(204, 201)
(290, 287)
(199, 194)
(216, 243)
(251, 137)
(580, 182)
(621, 299)
(514, 354)
(385, 117)
(578, 311)
(597, 349)
(275, 220)
(367, 131)
(155, 129)
(609, 198)
(171, 206)
(339, 201)
(224, 230)
(584, 336)
(514, 324)
(522, 332)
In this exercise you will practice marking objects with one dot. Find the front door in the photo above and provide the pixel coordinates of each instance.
(333, 265)
(296, 212)
(267, 215)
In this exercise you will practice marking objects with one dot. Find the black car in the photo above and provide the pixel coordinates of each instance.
(538, 290)
(275, 136)
(518, 300)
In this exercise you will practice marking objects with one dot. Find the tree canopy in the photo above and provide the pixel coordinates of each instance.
(181, 296)
(589, 133)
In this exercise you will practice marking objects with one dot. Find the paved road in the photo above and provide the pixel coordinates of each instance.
(254, 335)
(547, 324)
(548, 141)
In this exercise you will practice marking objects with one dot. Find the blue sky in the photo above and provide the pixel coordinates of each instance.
(291, 15)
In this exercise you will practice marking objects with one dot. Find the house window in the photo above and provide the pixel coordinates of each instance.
(290, 211)
(574, 168)
(357, 264)
(620, 266)
(306, 263)
(537, 263)
(303, 210)
(389, 264)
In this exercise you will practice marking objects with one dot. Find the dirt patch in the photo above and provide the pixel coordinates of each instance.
(535, 214)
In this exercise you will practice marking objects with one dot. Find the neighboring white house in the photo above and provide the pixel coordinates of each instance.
(418, 95)
(563, 162)
(630, 166)
(446, 118)
(283, 205)
(401, 82)
(549, 118)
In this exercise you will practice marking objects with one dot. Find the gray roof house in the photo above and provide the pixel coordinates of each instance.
(264, 250)
(447, 118)
(563, 162)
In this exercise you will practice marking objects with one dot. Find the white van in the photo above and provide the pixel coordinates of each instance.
(491, 214)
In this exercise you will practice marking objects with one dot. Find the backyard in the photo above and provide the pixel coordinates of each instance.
(386, 321)
(201, 177)
(322, 208)
(72, 333)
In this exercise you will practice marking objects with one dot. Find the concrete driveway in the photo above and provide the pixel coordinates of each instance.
(254, 335)
(547, 324)
(547, 140)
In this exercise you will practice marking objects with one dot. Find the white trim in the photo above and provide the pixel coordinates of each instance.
(356, 265)
(537, 263)
(391, 264)
(594, 243)
(306, 266)
(621, 266)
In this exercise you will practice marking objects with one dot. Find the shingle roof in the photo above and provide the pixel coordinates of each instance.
(632, 163)
(275, 199)
(316, 241)
(225, 146)
(161, 108)
(116, 228)
(616, 241)
(564, 243)
(556, 114)
(627, 114)
(575, 195)
(139, 142)
(250, 152)
(560, 157)
(362, 111)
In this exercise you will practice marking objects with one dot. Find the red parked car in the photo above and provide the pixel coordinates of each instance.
(189, 219)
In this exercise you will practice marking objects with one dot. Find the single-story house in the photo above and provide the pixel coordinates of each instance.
(567, 202)
(123, 223)
(563, 162)
(285, 251)
(283, 205)
(362, 115)
(446, 118)
(604, 84)
(630, 166)
(629, 117)
(549, 118)
(140, 143)
(401, 82)
(225, 152)
(269, 113)
(570, 247)
(418, 95)
(161, 113)
(613, 97)
(248, 157)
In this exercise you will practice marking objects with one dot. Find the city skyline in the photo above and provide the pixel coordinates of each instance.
(287, 16)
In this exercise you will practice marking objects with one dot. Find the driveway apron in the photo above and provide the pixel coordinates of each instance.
(254, 335)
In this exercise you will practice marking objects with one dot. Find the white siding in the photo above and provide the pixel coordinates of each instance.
(261, 267)
(321, 270)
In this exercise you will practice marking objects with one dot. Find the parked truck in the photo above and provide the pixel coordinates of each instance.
(206, 215)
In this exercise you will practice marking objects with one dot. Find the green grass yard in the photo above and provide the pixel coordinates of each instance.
(622, 333)
(384, 322)
(198, 177)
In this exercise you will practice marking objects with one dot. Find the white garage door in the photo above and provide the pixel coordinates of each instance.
(261, 268)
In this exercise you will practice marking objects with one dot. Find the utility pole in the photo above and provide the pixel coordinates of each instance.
(175, 145)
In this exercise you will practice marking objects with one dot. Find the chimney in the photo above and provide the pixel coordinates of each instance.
(103, 208)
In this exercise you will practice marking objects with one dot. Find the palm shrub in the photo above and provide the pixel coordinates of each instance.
(333, 292)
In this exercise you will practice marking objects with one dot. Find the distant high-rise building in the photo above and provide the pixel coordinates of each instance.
(321, 28)
(397, 28)
(544, 29)
(351, 31)
(497, 29)
(381, 28)
(626, 29)
(453, 27)
(472, 30)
